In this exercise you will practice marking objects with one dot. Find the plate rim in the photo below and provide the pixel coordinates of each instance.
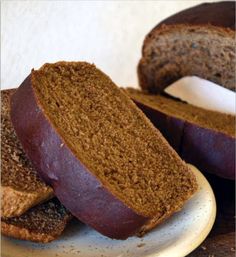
(209, 226)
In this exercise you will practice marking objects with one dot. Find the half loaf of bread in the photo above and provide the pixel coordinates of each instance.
(199, 41)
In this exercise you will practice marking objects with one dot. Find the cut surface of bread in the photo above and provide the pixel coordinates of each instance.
(220, 122)
(202, 137)
(43, 223)
(197, 42)
(106, 152)
(21, 186)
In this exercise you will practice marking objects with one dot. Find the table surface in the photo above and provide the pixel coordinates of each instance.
(221, 241)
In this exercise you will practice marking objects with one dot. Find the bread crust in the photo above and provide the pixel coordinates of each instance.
(208, 150)
(219, 14)
(98, 207)
(218, 18)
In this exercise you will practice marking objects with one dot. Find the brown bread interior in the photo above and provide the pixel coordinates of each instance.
(17, 171)
(224, 123)
(112, 138)
(172, 52)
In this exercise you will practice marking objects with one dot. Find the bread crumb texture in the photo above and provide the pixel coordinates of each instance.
(113, 138)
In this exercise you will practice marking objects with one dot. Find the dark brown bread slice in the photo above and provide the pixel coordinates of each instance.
(202, 137)
(43, 223)
(198, 41)
(20, 184)
(106, 153)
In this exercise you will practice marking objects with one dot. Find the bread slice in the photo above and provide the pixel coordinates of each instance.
(41, 224)
(202, 137)
(106, 153)
(21, 186)
(199, 41)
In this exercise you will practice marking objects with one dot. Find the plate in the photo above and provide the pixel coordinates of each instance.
(176, 237)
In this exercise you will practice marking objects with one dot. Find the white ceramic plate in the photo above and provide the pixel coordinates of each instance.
(176, 237)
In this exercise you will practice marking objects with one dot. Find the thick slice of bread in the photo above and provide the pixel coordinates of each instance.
(198, 41)
(202, 137)
(43, 223)
(21, 186)
(98, 150)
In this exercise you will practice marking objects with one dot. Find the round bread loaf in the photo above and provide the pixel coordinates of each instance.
(198, 41)
(108, 165)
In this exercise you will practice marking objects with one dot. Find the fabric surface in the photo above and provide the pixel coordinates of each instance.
(108, 33)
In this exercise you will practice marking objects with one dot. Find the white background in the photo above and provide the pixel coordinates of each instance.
(107, 33)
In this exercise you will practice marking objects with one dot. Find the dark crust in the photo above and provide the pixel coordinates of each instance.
(69, 178)
(208, 150)
(220, 14)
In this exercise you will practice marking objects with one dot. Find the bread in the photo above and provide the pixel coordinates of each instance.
(97, 150)
(41, 224)
(201, 137)
(198, 41)
(21, 186)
